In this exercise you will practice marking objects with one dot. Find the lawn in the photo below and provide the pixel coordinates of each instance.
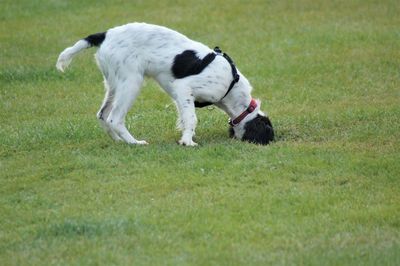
(326, 192)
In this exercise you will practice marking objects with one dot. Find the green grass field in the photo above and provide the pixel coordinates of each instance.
(327, 192)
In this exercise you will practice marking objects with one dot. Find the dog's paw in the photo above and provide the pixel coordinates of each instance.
(187, 143)
(139, 142)
(142, 142)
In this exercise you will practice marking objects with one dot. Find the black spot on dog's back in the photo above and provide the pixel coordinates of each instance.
(188, 63)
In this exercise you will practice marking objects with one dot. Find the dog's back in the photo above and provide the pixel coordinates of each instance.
(133, 44)
(151, 47)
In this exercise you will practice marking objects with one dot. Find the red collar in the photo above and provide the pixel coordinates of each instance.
(249, 110)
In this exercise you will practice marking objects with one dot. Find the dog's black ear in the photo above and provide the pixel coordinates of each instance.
(259, 130)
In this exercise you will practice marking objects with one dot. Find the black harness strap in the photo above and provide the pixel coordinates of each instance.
(235, 75)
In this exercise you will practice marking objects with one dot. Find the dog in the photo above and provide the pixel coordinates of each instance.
(190, 72)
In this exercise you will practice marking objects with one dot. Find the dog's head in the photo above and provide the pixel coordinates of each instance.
(259, 130)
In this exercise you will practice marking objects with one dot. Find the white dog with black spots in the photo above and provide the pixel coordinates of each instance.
(190, 72)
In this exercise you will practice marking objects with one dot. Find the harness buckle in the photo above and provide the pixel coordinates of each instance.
(217, 50)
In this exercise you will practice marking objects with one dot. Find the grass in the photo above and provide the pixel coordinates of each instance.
(327, 192)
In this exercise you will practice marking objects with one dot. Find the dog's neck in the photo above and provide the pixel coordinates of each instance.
(238, 100)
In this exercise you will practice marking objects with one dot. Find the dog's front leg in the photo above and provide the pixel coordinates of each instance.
(187, 119)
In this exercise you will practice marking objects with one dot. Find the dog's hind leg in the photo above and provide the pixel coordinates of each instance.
(126, 90)
(105, 110)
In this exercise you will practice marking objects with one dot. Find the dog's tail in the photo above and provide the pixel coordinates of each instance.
(66, 56)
